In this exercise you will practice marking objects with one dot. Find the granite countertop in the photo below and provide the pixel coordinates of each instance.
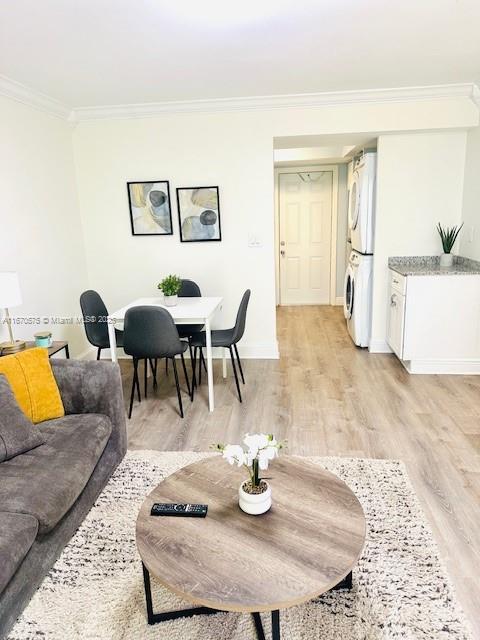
(430, 266)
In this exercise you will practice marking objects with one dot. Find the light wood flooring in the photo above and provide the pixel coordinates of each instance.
(326, 397)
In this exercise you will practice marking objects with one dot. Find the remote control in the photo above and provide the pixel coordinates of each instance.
(174, 509)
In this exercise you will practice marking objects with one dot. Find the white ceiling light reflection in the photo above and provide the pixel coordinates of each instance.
(221, 13)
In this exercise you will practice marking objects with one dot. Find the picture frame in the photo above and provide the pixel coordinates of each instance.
(198, 211)
(150, 208)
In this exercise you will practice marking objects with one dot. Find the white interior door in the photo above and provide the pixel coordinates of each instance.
(305, 223)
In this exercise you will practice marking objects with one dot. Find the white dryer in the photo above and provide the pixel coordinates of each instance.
(357, 305)
(361, 206)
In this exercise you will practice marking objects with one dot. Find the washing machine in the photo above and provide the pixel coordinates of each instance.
(357, 300)
(361, 206)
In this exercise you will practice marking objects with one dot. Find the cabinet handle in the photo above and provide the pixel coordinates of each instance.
(395, 281)
(393, 300)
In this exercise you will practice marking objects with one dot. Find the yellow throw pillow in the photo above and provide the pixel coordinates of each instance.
(33, 383)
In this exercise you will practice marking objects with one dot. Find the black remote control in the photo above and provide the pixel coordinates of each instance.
(184, 510)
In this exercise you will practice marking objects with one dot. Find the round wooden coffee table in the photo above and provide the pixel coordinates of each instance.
(307, 544)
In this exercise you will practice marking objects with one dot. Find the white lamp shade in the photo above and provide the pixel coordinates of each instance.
(10, 294)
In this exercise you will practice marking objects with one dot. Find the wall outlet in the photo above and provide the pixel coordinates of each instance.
(254, 241)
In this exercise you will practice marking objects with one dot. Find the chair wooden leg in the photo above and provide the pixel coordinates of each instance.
(186, 376)
(191, 353)
(153, 367)
(203, 360)
(99, 351)
(239, 363)
(137, 381)
(145, 372)
(179, 393)
(194, 371)
(232, 357)
(134, 381)
(166, 366)
(200, 366)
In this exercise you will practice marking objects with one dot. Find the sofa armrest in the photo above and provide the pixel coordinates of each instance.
(88, 386)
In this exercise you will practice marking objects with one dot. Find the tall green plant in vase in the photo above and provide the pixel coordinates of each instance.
(448, 236)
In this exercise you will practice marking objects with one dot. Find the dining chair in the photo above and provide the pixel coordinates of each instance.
(149, 335)
(95, 315)
(189, 289)
(226, 338)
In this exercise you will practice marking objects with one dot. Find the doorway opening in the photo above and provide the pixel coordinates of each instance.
(313, 175)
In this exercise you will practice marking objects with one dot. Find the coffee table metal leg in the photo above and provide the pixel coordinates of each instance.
(258, 626)
(275, 625)
(154, 618)
(346, 583)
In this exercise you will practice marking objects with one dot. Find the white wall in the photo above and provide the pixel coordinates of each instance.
(40, 229)
(470, 234)
(419, 183)
(187, 151)
(232, 150)
(342, 224)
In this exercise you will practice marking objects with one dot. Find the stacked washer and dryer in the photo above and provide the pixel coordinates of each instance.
(357, 304)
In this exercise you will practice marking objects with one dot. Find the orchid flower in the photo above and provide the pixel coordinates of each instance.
(261, 448)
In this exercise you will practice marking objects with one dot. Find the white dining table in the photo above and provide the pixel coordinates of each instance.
(198, 310)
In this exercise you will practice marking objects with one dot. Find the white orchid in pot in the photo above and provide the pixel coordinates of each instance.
(255, 494)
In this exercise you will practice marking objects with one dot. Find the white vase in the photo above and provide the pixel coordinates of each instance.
(255, 503)
(446, 260)
(170, 301)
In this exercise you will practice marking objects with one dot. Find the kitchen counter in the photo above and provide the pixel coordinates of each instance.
(430, 266)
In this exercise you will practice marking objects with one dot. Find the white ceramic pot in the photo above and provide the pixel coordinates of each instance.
(170, 301)
(446, 260)
(254, 503)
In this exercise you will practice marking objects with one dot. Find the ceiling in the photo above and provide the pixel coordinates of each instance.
(111, 52)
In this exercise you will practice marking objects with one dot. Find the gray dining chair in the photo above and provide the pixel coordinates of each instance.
(227, 338)
(189, 289)
(95, 315)
(150, 334)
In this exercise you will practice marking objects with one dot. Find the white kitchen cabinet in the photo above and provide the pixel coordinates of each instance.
(396, 323)
(434, 322)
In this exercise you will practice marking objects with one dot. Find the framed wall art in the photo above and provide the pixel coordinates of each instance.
(199, 214)
(150, 210)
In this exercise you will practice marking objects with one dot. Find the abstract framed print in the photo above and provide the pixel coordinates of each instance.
(199, 214)
(150, 210)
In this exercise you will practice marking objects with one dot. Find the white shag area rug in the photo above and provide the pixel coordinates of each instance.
(400, 586)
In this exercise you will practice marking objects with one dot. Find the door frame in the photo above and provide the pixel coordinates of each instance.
(278, 171)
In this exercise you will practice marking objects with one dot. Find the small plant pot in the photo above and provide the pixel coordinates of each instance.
(255, 503)
(446, 260)
(170, 301)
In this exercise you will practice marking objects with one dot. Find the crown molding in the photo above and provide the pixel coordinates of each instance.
(23, 94)
(305, 100)
(19, 92)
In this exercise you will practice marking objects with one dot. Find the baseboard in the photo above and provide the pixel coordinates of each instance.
(268, 351)
(379, 346)
(339, 301)
(90, 353)
(468, 367)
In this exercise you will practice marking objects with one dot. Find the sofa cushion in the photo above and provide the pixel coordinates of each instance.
(31, 377)
(17, 433)
(46, 481)
(17, 534)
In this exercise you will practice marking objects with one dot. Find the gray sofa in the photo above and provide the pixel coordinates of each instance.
(46, 493)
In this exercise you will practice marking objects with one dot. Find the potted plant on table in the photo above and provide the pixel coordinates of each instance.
(254, 494)
(170, 286)
(448, 237)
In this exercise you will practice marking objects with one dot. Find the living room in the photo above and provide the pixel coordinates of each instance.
(113, 136)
